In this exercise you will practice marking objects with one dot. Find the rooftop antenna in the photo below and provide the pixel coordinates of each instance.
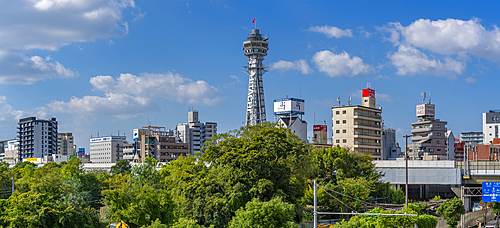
(429, 97)
(338, 100)
(368, 85)
(350, 99)
(423, 97)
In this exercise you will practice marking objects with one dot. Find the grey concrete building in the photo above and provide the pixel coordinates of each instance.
(37, 137)
(428, 135)
(390, 148)
(65, 145)
(195, 133)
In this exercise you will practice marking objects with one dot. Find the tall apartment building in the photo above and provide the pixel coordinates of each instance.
(108, 149)
(359, 126)
(391, 149)
(472, 137)
(160, 144)
(491, 123)
(37, 137)
(65, 145)
(429, 135)
(195, 133)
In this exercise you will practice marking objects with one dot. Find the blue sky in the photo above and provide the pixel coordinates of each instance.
(110, 65)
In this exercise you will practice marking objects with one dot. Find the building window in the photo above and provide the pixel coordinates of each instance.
(344, 140)
(337, 141)
(337, 122)
(337, 131)
(438, 149)
(438, 142)
(344, 121)
(431, 150)
(438, 134)
(344, 111)
(438, 126)
(337, 112)
(344, 131)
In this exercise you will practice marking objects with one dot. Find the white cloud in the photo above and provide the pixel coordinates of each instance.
(331, 31)
(470, 80)
(20, 69)
(449, 37)
(49, 25)
(114, 104)
(300, 64)
(340, 65)
(410, 61)
(8, 113)
(170, 86)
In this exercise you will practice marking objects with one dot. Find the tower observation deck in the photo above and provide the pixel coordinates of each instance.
(255, 48)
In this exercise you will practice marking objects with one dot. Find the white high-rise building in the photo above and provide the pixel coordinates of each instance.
(37, 137)
(195, 133)
(108, 149)
(491, 123)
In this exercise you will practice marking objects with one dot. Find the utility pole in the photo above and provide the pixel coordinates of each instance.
(406, 161)
(315, 206)
(12, 185)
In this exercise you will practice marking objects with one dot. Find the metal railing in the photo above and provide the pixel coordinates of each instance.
(367, 115)
(366, 143)
(366, 124)
(366, 133)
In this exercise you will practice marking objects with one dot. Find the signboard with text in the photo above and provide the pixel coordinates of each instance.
(491, 191)
(289, 106)
(425, 110)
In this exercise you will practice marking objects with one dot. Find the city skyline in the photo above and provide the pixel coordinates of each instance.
(109, 65)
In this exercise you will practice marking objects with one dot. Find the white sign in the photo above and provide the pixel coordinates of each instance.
(108, 139)
(289, 106)
(425, 110)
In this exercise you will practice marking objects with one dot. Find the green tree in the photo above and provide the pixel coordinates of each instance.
(33, 209)
(397, 195)
(451, 211)
(121, 167)
(187, 223)
(137, 205)
(155, 224)
(272, 214)
(262, 162)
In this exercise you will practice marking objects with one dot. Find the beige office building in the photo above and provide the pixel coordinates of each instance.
(65, 145)
(159, 143)
(359, 127)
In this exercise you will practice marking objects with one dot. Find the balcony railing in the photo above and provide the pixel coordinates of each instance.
(367, 115)
(366, 124)
(366, 143)
(366, 133)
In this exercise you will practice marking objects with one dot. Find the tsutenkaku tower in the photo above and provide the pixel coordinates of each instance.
(255, 49)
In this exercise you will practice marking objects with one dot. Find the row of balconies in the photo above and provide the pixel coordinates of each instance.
(365, 143)
(367, 115)
(375, 125)
(367, 134)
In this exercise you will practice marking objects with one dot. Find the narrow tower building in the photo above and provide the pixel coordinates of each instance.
(255, 49)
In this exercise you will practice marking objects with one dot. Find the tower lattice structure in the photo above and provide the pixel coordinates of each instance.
(255, 48)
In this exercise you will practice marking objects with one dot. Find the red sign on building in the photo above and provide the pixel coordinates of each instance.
(368, 93)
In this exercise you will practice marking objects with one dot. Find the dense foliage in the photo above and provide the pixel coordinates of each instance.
(256, 176)
(451, 210)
